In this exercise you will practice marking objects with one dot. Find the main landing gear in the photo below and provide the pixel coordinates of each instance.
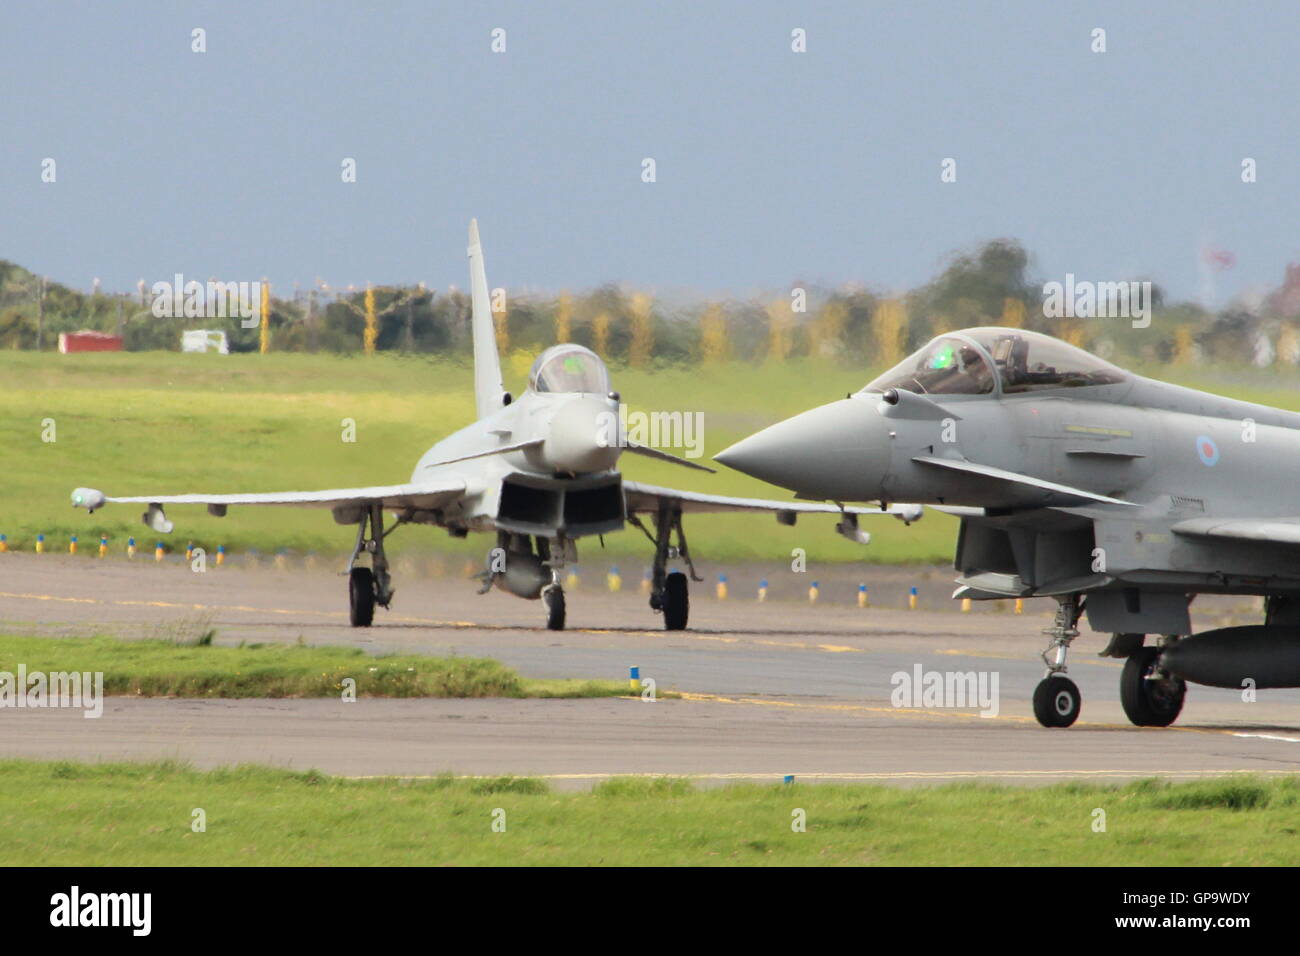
(369, 586)
(1150, 697)
(669, 591)
(1056, 698)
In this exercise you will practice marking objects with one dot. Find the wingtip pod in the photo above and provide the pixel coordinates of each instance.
(88, 498)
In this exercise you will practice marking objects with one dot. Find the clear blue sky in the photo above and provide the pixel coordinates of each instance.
(772, 166)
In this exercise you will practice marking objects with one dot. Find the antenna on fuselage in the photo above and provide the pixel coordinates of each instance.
(489, 390)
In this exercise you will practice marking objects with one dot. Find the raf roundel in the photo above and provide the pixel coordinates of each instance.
(1207, 450)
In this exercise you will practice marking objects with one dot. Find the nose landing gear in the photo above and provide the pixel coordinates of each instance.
(1056, 698)
(553, 598)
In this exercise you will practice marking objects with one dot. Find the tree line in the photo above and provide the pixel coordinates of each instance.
(989, 285)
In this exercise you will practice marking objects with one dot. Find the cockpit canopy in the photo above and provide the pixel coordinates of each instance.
(971, 361)
(569, 368)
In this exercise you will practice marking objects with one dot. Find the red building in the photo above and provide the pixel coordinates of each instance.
(89, 342)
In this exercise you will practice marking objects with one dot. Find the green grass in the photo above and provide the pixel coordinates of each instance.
(164, 422)
(164, 668)
(55, 813)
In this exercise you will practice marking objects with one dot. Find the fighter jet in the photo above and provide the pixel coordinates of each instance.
(1115, 495)
(539, 472)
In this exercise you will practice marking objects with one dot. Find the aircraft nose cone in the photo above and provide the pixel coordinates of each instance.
(839, 451)
(761, 456)
(583, 437)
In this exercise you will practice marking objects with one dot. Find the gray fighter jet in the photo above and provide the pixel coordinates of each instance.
(1112, 494)
(539, 473)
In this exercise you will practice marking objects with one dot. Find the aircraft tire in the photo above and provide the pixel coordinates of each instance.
(553, 598)
(1057, 701)
(1149, 703)
(676, 602)
(361, 597)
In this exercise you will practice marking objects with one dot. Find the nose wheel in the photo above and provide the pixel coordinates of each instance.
(1057, 701)
(553, 598)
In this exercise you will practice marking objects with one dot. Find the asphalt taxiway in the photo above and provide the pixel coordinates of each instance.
(782, 687)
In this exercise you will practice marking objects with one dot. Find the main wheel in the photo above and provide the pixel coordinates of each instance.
(361, 597)
(1150, 701)
(676, 602)
(553, 598)
(1057, 701)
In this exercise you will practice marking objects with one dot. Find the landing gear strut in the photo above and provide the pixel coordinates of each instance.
(1056, 698)
(369, 586)
(669, 591)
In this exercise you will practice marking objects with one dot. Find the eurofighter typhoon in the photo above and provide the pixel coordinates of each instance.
(1112, 494)
(538, 472)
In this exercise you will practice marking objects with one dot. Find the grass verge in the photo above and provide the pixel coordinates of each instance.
(162, 668)
(142, 814)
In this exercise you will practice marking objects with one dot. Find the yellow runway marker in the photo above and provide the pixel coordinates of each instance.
(996, 657)
(802, 646)
(968, 714)
(950, 652)
(51, 597)
(226, 607)
(849, 708)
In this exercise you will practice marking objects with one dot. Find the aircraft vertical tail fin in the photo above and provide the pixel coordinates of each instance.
(488, 386)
